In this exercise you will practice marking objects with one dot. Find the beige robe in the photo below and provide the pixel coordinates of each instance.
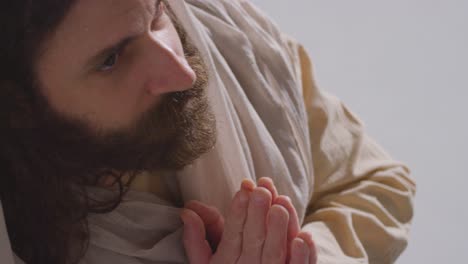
(273, 121)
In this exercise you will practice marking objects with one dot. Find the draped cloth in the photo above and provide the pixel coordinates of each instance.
(259, 79)
(255, 93)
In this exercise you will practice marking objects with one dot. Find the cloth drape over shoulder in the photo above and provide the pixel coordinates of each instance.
(272, 121)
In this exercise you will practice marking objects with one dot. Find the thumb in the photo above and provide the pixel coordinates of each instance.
(197, 248)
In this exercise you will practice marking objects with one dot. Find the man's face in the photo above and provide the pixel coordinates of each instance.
(117, 68)
(112, 60)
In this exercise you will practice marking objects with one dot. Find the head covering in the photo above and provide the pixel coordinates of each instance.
(255, 92)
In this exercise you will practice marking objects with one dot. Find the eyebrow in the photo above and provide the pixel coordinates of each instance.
(106, 52)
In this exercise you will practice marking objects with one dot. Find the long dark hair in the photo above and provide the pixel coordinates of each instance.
(44, 213)
(43, 195)
(39, 223)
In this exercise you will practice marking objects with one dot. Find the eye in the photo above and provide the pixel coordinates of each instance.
(110, 62)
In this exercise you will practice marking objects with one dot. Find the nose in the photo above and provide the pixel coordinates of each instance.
(168, 69)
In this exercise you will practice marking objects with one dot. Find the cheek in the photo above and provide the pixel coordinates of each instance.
(119, 104)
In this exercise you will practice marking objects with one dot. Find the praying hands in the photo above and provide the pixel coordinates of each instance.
(261, 227)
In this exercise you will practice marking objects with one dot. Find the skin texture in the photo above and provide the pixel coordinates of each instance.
(150, 65)
(122, 80)
(278, 238)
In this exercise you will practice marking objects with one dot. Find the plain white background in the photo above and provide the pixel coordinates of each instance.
(402, 67)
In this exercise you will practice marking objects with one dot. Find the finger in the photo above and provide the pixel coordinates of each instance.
(255, 226)
(268, 184)
(293, 226)
(212, 219)
(299, 252)
(248, 185)
(197, 248)
(275, 247)
(230, 245)
(307, 237)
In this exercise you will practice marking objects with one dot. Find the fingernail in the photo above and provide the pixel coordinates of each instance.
(247, 184)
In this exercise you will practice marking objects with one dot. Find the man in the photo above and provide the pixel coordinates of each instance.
(116, 112)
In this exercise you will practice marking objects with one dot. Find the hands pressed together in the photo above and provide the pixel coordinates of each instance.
(261, 227)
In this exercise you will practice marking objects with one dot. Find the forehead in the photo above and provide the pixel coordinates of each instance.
(89, 12)
(104, 9)
(92, 23)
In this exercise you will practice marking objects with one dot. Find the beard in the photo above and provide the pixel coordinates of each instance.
(48, 160)
(169, 136)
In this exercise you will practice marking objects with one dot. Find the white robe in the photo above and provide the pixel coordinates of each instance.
(273, 122)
